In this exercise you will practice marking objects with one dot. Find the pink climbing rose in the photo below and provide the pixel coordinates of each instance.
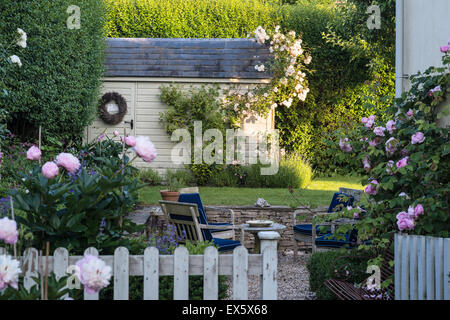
(68, 162)
(418, 210)
(115, 133)
(50, 170)
(34, 153)
(366, 163)
(402, 162)
(410, 113)
(145, 149)
(93, 273)
(405, 224)
(417, 138)
(371, 188)
(345, 146)
(8, 231)
(379, 131)
(445, 49)
(390, 126)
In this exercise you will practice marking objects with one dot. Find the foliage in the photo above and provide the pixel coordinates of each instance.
(69, 63)
(188, 18)
(322, 266)
(56, 289)
(405, 162)
(150, 177)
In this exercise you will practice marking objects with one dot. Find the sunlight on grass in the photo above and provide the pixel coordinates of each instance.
(318, 193)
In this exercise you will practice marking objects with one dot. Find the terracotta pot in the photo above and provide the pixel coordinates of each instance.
(169, 195)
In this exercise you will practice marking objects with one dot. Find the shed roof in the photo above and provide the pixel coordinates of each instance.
(185, 58)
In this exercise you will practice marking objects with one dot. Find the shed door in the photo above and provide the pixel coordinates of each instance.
(128, 92)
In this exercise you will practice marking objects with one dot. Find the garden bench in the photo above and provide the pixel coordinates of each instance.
(345, 290)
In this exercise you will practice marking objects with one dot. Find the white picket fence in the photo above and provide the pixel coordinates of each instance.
(422, 267)
(240, 264)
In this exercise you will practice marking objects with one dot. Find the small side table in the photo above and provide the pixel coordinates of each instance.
(254, 230)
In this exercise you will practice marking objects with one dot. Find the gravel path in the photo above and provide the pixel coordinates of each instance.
(293, 279)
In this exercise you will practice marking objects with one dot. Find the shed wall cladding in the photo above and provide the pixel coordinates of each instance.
(137, 68)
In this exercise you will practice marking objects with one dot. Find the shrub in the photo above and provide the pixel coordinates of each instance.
(68, 64)
(188, 18)
(150, 176)
(354, 89)
(322, 266)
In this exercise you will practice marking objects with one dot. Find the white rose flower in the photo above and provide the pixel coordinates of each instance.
(15, 59)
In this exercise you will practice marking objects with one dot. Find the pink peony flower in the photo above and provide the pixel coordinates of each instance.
(115, 133)
(93, 273)
(68, 162)
(9, 272)
(50, 170)
(402, 162)
(369, 124)
(364, 120)
(372, 117)
(418, 210)
(8, 231)
(371, 188)
(34, 153)
(145, 149)
(417, 138)
(410, 113)
(379, 131)
(346, 147)
(130, 141)
(445, 49)
(390, 126)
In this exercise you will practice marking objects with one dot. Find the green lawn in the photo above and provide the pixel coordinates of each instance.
(319, 193)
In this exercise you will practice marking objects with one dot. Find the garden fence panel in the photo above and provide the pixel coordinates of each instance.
(239, 265)
(422, 268)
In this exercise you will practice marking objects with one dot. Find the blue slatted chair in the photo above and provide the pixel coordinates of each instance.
(216, 233)
(323, 234)
(187, 219)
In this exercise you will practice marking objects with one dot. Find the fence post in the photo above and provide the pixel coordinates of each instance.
(91, 296)
(240, 273)
(181, 274)
(60, 264)
(269, 286)
(211, 274)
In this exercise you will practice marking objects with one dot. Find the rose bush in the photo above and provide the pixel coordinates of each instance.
(406, 162)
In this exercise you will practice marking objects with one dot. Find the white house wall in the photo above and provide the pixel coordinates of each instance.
(145, 106)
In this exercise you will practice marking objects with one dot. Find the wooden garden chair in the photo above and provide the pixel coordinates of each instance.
(186, 218)
(345, 290)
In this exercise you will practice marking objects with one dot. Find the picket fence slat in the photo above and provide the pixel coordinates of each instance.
(151, 274)
(181, 274)
(91, 296)
(240, 275)
(240, 264)
(121, 273)
(211, 275)
(422, 267)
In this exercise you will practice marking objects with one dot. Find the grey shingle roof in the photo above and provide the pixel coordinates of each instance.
(197, 58)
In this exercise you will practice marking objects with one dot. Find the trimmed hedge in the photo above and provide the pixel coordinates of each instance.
(58, 85)
(188, 18)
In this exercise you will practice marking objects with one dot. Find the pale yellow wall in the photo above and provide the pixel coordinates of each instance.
(144, 106)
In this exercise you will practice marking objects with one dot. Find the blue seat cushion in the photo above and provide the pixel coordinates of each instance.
(219, 224)
(338, 202)
(306, 229)
(330, 241)
(225, 244)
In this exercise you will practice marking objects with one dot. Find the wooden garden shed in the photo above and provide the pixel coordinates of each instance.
(136, 69)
